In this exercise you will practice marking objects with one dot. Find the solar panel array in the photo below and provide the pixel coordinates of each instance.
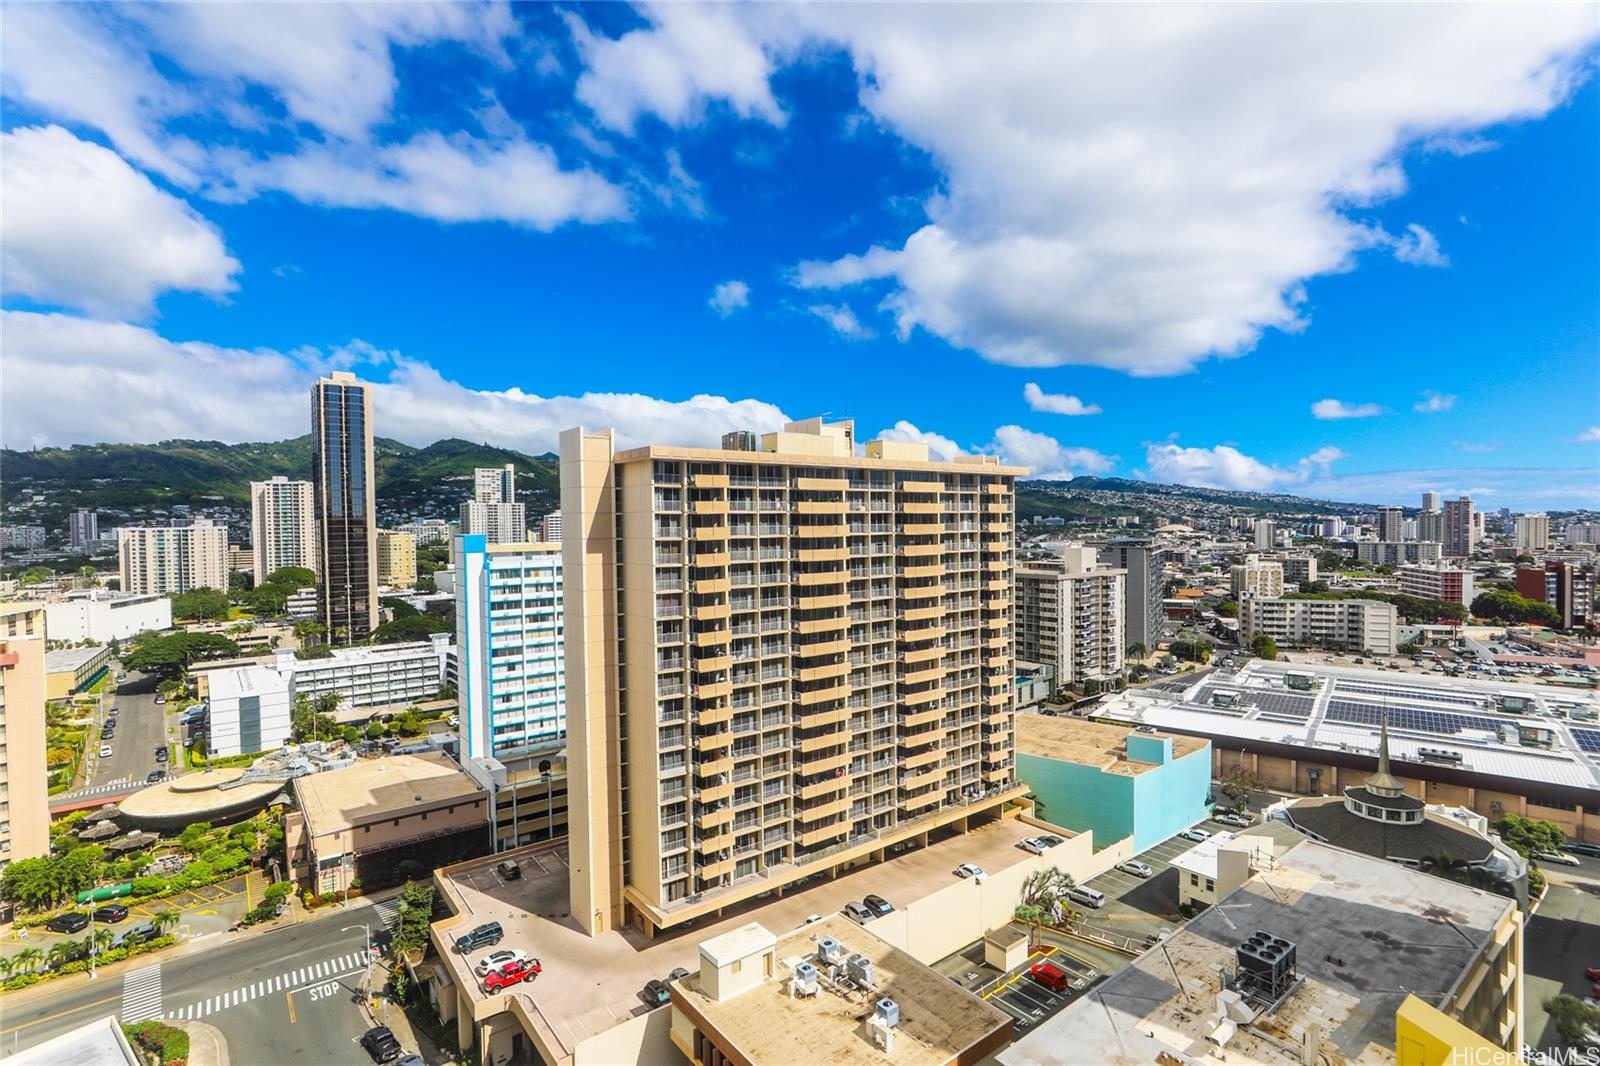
(1280, 719)
(1282, 702)
(1442, 722)
(1588, 739)
(1399, 692)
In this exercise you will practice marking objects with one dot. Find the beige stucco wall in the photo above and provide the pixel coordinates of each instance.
(645, 1038)
(22, 765)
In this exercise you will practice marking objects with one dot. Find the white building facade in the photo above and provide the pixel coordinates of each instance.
(1069, 615)
(248, 711)
(103, 616)
(283, 528)
(1256, 577)
(384, 675)
(1357, 625)
(163, 559)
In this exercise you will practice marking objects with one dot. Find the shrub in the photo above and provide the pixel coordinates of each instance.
(169, 1042)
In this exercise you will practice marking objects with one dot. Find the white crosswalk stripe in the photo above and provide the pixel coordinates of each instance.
(141, 994)
(119, 785)
(340, 966)
(388, 912)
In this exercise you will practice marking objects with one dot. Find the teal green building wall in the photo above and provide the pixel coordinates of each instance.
(1149, 807)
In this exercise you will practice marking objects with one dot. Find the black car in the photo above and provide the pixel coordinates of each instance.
(153, 776)
(110, 912)
(508, 870)
(656, 993)
(1591, 850)
(381, 1044)
(71, 922)
(878, 905)
(139, 933)
(161, 754)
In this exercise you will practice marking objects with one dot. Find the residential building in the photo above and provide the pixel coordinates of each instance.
(247, 711)
(1256, 577)
(83, 528)
(550, 528)
(1567, 586)
(24, 777)
(1357, 625)
(302, 603)
(1266, 534)
(397, 559)
(1144, 588)
(242, 560)
(1298, 569)
(1581, 533)
(1533, 532)
(493, 511)
(22, 538)
(509, 625)
(1430, 501)
(429, 531)
(1311, 959)
(69, 671)
(1069, 616)
(740, 440)
(816, 649)
(345, 508)
(283, 528)
(1438, 581)
(102, 615)
(361, 822)
(758, 999)
(1391, 523)
(1111, 781)
(1430, 526)
(164, 559)
(382, 675)
(1462, 527)
(1398, 552)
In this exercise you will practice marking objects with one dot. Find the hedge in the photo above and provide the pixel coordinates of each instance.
(104, 958)
(168, 1041)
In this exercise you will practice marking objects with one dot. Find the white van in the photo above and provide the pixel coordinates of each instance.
(1087, 896)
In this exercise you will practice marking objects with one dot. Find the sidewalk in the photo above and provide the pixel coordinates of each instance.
(207, 1045)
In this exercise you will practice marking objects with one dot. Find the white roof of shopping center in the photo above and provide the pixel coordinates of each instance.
(1343, 712)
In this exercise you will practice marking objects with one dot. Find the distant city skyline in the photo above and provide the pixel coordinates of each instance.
(1363, 273)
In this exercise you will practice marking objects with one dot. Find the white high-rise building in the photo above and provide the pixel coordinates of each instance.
(166, 559)
(1256, 577)
(550, 528)
(1069, 615)
(83, 526)
(1391, 523)
(1533, 532)
(493, 511)
(1581, 533)
(1430, 501)
(509, 616)
(1266, 534)
(283, 528)
(248, 711)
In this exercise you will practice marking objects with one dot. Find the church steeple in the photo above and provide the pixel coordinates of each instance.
(1383, 783)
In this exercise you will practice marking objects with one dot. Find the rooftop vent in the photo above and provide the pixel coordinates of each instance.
(861, 972)
(829, 951)
(805, 981)
(888, 1011)
(1266, 966)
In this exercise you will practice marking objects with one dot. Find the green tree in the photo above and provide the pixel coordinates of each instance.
(200, 603)
(31, 883)
(194, 837)
(1227, 608)
(415, 914)
(308, 631)
(309, 721)
(412, 627)
(1528, 836)
(1263, 646)
(1043, 898)
(60, 953)
(298, 577)
(37, 575)
(165, 919)
(169, 655)
(1509, 608)
(28, 959)
(1137, 650)
(399, 608)
(91, 576)
(79, 869)
(1576, 1022)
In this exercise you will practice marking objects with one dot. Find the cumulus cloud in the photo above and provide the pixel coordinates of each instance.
(53, 361)
(1520, 488)
(1056, 403)
(1085, 216)
(1419, 247)
(82, 228)
(1046, 458)
(1334, 409)
(1478, 446)
(941, 447)
(140, 73)
(843, 321)
(1434, 402)
(730, 296)
(1226, 467)
(1589, 436)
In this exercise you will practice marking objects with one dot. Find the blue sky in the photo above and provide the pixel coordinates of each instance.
(1360, 264)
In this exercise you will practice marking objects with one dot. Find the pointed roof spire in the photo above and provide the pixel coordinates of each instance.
(1383, 783)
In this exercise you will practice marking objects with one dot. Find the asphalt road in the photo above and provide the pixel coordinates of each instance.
(291, 995)
(142, 726)
(1562, 938)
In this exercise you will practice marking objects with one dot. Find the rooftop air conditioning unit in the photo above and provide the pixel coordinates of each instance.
(805, 980)
(829, 951)
(888, 1012)
(860, 970)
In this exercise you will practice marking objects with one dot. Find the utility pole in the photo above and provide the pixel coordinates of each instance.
(366, 977)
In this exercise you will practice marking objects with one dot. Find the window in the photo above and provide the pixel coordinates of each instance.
(1211, 886)
(1194, 879)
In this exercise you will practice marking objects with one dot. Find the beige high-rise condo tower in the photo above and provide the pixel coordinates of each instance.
(780, 662)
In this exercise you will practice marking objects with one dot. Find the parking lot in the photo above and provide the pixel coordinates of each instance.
(1138, 907)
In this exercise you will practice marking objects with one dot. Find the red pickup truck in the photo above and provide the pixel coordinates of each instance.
(510, 974)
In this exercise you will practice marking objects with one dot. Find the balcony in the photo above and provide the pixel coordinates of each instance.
(717, 506)
(811, 697)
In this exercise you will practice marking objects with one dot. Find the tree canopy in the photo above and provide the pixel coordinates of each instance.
(1527, 836)
(1510, 608)
(170, 655)
(411, 627)
(1263, 646)
(200, 603)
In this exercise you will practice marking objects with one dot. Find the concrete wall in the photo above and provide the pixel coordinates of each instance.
(1169, 798)
(1148, 807)
(645, 1038)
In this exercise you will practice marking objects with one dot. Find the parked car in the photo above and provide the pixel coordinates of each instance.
(153, 776)
(1592, 972)
(496, 959)
(1088, 897)
(70, 922)
(122, 676)
(1195, 834)
(508, 870)
(139, 933)
(1050, 840)
(656, 993)
(105, 751)
(380, 1043)
(161, 699)
(410, 1060)
(161, 753)
(1592, 850)
(1136, 868)
(1558, 857)
(1240, 821)
(110, 912)
(877, 905)
(486, 935)
(1051, 976)
(857, 913)
(678, 973)
(971, 870)
(511, 973)
(1033, 844)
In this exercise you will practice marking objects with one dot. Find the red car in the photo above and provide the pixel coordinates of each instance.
(1592, 973)
(1051, 976)
(511, 973)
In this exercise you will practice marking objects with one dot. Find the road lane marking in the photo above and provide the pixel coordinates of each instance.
(61, 1014)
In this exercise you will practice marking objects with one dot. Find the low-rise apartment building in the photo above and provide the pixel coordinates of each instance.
(1256, 577)
(1357, 625)
(383, 675)
(1440, 581)
(1398, 552)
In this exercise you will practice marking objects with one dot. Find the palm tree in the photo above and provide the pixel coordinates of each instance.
(165, 918)
(1137, 650)
(8, 963)
(101, 939)
(61, 953)
(28, 959)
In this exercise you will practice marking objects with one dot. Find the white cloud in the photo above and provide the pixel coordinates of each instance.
(1143, 222)
(1478, 446)
(941, 447)
(1419, 247)
(53, 361)
(1332, 409)
(1047, 458)
(1226, 467)
(843, 321)
(1434, 402)
(1519, 488)
(689, 55)
(730, 296)
(1589, 436)
(1056, 403)
(83, 229)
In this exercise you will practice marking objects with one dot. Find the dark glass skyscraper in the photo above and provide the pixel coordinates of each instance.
(346, 511)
